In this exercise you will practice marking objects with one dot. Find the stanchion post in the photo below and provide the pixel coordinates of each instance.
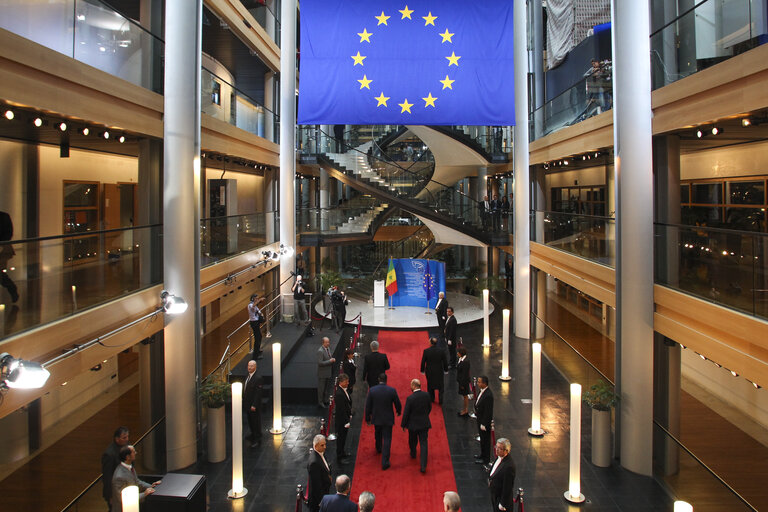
(573, 494)
(237, 490)
(277, 396)
(535, 429)
(505, 347)
(486, 320)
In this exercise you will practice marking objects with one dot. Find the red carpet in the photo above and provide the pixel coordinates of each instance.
(403, 485)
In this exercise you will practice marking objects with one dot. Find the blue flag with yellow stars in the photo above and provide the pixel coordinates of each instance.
(430, 62)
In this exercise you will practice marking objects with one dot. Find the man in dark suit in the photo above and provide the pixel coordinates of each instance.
(343, 414)
(440, 308)
(374, 365)
(110, 459)
(340, 501)
(349, 366)
(319, 473)
(378, 410)
(416, 420)
(434, 365)
(485, 211)
(484, 413)
(252, 388)
(450, 336)
(496, 212)
(501, 482)
(505, 206)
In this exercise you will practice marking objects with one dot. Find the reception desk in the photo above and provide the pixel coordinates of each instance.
(178, 493)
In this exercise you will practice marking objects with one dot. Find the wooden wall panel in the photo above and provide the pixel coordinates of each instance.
(590, 134)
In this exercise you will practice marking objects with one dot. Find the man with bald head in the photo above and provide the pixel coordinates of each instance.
(416, 420)
(451, 501)
(340, 501)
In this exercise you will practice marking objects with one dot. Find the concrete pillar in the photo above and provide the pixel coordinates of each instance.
(522, 226)
(270, 205)
(541, 302)
(634, 240)
(181, 169)
(287, 139)
(325, 199)
(269, 104)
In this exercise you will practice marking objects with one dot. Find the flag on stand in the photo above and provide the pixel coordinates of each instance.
(391, 283)
(441, 62)
(429, 282)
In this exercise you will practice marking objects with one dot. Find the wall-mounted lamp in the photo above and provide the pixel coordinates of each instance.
(9, 115)
(172, 304)
(20, 374)
(286, 251)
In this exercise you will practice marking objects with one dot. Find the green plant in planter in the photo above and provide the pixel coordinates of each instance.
(215, 394)
(601, 396)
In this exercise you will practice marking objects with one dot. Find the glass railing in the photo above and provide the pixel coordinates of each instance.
(589, 97)
(574, 367)
(587, 236)
(724, 266)
(227, 103)
(150, 464)
(225, 237)
(688, 479)
(494, 140)
(266, 15)
(707, 34)
(59, 276)
(91, 32)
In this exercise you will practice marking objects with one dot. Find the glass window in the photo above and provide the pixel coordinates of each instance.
(707, 193)
(685, 194)
(702, 215)
(81, 194)
(745, 192)
(747, 219)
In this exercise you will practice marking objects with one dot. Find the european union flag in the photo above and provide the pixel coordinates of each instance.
(431, 62)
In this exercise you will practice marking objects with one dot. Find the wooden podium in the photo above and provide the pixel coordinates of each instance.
(178, 493)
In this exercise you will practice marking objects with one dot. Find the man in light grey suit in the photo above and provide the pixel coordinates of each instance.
(125, 475)
(324, 365)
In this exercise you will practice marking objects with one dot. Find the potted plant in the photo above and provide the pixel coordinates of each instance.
(601, 398)
(214, 395)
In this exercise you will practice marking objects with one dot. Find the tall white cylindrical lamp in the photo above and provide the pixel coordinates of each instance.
(573, 494)
(505, 346)
(277, 397)
(237, 490)
(486, 322)
(130, 498)
(535, 429)
(683, 506)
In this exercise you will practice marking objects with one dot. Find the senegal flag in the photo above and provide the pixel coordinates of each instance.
(391, 279)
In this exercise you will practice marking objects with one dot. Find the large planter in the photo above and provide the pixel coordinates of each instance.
(601, 438)
(217, 434)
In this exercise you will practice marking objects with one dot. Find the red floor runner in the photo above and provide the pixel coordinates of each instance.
(403, 486)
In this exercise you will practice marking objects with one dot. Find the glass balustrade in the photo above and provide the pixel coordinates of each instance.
(225, 237)
(62, 275)
(493, 140)
(707, 34)
(724, 266)
(91, 32)
(587, 236)
(267, 15)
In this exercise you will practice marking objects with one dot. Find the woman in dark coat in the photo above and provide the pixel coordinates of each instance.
(462, 377)
(350, 368)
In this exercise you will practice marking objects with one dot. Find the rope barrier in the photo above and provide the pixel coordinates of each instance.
(519, 499)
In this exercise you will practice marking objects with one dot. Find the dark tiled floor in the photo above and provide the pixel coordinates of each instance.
(273, 470)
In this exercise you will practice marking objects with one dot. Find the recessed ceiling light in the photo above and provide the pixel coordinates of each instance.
(9, 115)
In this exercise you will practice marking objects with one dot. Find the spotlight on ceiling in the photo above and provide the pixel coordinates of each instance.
(121, 139)
(172, 304)
(699, 133)
(63, 127)
(9, 115)
(716, 130)
(38, 122)
(85, 131)
(105, 134)
(20, 374)
(746, 122)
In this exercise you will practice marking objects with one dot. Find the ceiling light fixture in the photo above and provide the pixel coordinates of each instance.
(38, 122)
(9, 115)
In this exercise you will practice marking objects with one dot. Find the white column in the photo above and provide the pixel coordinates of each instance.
(181, 171)
(634, 237)
(287, 138)
(325, 199)
(269, 103)
(522, 226)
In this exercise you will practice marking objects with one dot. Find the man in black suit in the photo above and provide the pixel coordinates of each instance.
(110, 459)
(252, 388)
(434, 365)
(484, 413)
(349, 366)
(505, 206)
(340, 501)
(319, 473)
(485, 211)
(501, 482)
(450, 336)
(496, 212)
(378, 410)
(343, 413)
(440, 308)
(374, 365)
(416, 420)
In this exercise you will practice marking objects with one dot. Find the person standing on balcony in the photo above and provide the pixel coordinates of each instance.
(485, 211)
(496, 212)
(505, 206)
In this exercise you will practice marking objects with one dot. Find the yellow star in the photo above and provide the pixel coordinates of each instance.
(381, 99)
(382, 19)
(447, 36)
(406, 107)
(429, 101)
(447, 83)
(366, 36)
(430, 20)
(453, 60)
(365, 82)
(359, 59)
(406, 13)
